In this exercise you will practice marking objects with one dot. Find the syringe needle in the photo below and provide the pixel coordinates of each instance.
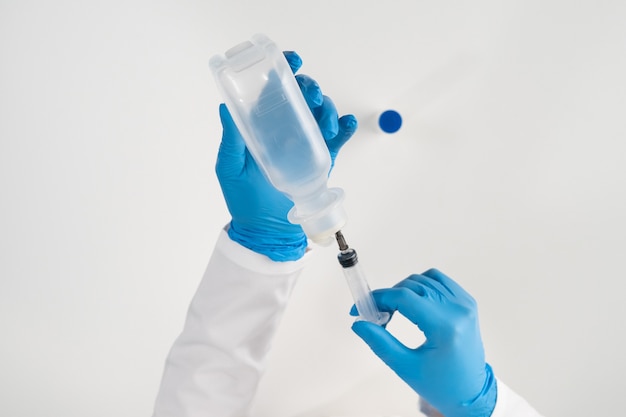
(341, 241)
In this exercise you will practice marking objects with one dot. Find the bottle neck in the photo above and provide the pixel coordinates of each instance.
(320, 216)
(313, 202)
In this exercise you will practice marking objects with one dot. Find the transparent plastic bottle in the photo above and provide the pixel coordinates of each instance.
(266, 104)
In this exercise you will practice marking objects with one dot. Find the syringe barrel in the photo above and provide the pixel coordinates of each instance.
(360, 289)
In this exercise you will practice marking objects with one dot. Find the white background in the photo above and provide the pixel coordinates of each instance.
(509, 174)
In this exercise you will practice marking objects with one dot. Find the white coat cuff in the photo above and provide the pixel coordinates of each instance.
(253, 261)
(509, 404)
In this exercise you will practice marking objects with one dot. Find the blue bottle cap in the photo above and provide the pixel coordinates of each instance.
(390, 121)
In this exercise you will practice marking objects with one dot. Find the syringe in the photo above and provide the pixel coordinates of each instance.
(358, 285)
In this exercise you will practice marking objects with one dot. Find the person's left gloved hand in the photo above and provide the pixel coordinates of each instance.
(259, 211)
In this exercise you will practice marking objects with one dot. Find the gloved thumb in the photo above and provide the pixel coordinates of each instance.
(232, 152)
(382, 343)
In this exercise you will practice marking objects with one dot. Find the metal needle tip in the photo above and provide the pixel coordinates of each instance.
(341, 241)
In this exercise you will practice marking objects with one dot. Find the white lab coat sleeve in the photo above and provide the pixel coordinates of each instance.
(215, 365)
(508, 404)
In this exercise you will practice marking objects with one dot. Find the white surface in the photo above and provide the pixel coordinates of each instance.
(509, 174)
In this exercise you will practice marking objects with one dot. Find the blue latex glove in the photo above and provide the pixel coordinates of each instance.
(448, 370)
(259, 211)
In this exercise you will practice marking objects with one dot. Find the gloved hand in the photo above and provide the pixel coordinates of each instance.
(448, 370)
(259, 211)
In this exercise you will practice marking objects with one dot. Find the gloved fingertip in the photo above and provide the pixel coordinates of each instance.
(329, 126)
(354, 311)
(313, 96)
(329, 132)
(225, 116)
(348, 123)
(223, 110)
(365, 328)
(231, 156)
(369, 333)
(360, 327)
(327, 118)
(382, 343)
(310, 90)
(294, 60)
(432, 271)
(317, 98)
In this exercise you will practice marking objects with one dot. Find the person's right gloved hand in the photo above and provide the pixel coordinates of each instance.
(448, 370)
